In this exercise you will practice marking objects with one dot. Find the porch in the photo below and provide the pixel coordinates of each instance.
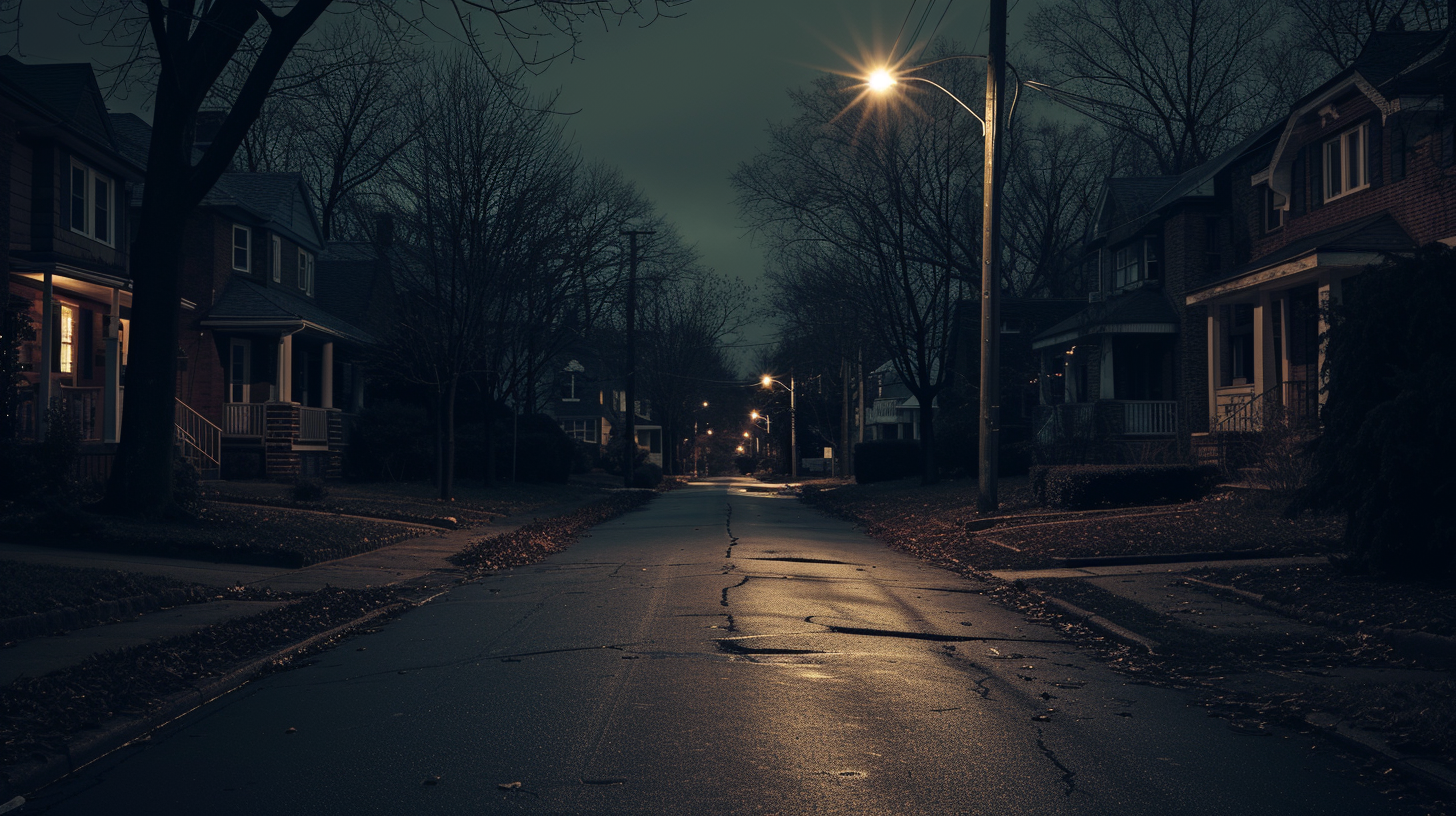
(1105, 420)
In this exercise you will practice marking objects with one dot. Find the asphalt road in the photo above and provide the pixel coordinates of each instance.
(717, 652)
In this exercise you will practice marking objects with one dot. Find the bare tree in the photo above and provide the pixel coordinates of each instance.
(480, 193)
(1185, 78)
(880, 203)
(1337, 29)
(180, 49)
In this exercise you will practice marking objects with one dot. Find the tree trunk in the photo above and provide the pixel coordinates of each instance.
(928, 472)
(447, 441)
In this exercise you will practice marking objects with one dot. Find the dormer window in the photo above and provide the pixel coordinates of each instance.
(91, 207)
(1138, 261)
(1344, 163)
(277, 259)
(242, 241)
(1273, 210)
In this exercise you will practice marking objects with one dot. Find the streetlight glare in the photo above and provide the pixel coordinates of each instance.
(767, 381)
(881, 80)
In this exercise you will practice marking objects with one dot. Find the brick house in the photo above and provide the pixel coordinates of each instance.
(263, 368)
(66, 234)
(1205, 316)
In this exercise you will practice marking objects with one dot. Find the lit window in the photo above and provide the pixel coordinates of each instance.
(305, 271)
(1344, 163)
(91, 210)
(242, 240)
(277, 259)
(68, 339)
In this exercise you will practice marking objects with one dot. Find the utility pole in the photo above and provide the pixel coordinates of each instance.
(629, 450)
(990, 430)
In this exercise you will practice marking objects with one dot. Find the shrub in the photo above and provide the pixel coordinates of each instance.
(612, 455)
(186, 483)
(886, 459)
(647, 475)
(1385, 455)
(391, 440)
(306, 489)
(543, 452)
(745, 464)
(56, 457)
(1078, 487)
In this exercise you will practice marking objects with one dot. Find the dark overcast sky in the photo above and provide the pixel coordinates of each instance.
(678, 104)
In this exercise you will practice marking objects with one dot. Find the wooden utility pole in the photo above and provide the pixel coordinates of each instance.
(629, 450)
(990, 430)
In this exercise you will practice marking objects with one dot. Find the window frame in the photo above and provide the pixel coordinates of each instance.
(89, 201)
(239, 387)
(305, 271)
(1124, 258)
(70, 325)
(1273, 210)
(276, 244)
(1340, 145)
(246, 247)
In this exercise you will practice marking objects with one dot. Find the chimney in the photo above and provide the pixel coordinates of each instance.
(384, 228)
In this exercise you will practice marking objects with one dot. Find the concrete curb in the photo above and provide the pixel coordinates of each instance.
(25, 779)
(1163, 558)
(1098, 622)
(1430, 772)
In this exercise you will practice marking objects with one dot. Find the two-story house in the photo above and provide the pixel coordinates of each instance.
(65, 234)
(1206, 314)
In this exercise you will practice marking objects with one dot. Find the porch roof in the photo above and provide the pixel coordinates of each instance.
(1352, 244)
(1143, 312)
(245, 305)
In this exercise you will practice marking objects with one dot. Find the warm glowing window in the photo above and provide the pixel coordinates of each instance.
(68, 339)
(242, 242)
(91, 205)
(1344, 163)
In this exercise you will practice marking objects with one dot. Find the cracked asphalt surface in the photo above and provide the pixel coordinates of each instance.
(720, 651)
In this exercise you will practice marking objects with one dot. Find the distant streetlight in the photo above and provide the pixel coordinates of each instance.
(990, 428)
(769, 382)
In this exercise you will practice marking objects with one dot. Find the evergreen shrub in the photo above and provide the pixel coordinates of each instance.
(884, 460)
(1078, 487)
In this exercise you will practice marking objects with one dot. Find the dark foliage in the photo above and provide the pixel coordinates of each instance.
(1386, 452)
(26, 589)
(543, 452)
(745, 464)
(1077, 487)
(54, 477)
(391, 440)
(612, 456)
(647, 475)
(886, 459)
(16, 329)
(306, 489)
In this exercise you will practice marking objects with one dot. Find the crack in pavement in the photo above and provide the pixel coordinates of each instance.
(724, 601)
(894, 633)
(798, 560)
(728, 527)
(1068, 775)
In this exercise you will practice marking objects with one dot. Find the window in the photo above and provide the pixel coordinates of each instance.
(305, 271)
(239, 370)
(1344, 163)
(1125, 266)
(584, 430)
(68, 339)
(91, 208)
(1238, 350)
(242, 238)
(1273, 210)
(277, 259)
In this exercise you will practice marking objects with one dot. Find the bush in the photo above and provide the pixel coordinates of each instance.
(543, 452)
(745, 464)
(307, 489)
(1077, 487)
(884, 460)
(612, 456)
(391, 440)
(647, 475)
(1386, 452)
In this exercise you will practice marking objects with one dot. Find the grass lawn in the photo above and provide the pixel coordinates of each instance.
(26, 589)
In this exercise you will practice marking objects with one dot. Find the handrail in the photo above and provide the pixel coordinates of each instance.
(1246, 407)
(200, 440)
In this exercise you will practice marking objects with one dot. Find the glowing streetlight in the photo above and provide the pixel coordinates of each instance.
(881, 80)
(768, 382)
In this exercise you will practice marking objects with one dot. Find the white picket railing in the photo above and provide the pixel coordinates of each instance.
(1149, 417)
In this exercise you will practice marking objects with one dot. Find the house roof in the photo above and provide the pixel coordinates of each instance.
(1372, 236)
(244, 302)
(1135, 312)
(68, 90)
(345, 273)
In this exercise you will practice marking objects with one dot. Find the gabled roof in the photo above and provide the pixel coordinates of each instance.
(1126, 199)
(69, 90)
(1146, 312)
(346, 275)
(244, 303)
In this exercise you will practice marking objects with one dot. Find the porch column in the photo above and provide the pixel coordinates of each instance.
(47, 360)
(1330, 293)
(1215, 351)
(111, 393)
(283, 380)
(327, 400)
(1283, 349)
(1263, 344)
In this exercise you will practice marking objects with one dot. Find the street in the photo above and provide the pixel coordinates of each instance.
(723, 650)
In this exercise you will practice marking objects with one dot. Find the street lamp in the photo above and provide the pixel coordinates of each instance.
(769, 382)
(990, 426)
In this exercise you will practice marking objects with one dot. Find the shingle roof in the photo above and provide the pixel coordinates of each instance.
(68, 89)
(346, 277)
(1375, 233)
(1387, 53)
(243, 299)
(133, 136)
(1135, 308)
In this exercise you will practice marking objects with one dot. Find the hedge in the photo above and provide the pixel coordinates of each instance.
(1077, 487)
(885, 460)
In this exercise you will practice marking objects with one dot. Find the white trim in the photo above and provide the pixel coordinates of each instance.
(89, 180)
(305, 271)
(1309, 263)
(1361, 154)
(247, 364)
(277, 246)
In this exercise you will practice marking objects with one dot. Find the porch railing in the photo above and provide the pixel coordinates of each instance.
(1072, 420)
(1149, 417)
(199, 440)
(83, 403)
(244, 418)
(313, 425)
(1289, 402)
